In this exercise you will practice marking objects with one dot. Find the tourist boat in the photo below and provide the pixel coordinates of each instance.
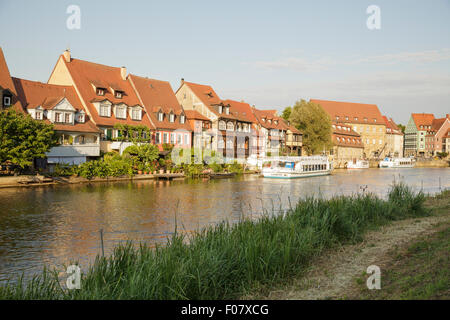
(397, 163)
(357, 164)
(297, 167)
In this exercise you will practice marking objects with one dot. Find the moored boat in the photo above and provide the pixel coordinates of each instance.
(397, 163)
(357, 164)
(297, 167)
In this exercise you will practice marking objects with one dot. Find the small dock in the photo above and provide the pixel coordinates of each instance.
(168, 176)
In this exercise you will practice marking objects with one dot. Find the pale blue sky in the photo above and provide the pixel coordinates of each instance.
(268, 53)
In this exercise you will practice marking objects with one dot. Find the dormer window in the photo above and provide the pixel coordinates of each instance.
(118, 94)
(346, 118)
(270, 121)
(264, 119)
(58, 117)
(227, 110)
(365, 119)
(172, 117)
(100, 91)
(80, 118)
(160, 116)
(136, 114)
(276, 122)
(6, 100)
(182, 119)
(105, 110)
(337, 117)
(38, 115)
(374, 120)
(356, 118)
(220, 109)
(121, 112)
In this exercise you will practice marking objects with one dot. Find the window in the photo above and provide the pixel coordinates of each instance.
(186, 139)
(80, 118)
(118, 94)
(166, 137)
(136, 114)
(6, 100)
(374, 120)
(105, 110)
(67, 118)
(222, 125)
(58, 117)
(227, 110)
(230, 126)
(121, 112)
(179, 137)
(160, 116)
(182, 119)
(346, 118)
(158, 138)
(100, 91)
(171, 117)
(38, 115)
(220, 109)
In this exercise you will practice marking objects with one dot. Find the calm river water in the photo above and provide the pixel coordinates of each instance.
(58, 225)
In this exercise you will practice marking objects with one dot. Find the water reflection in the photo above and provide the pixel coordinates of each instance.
(57, 225)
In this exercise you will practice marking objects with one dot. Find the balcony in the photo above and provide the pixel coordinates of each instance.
(77, 150)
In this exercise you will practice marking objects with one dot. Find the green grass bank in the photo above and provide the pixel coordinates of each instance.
(226, 261)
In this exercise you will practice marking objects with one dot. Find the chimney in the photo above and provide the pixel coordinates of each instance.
(123, 73)
(66, 55)
(447, 116)
(182, 81)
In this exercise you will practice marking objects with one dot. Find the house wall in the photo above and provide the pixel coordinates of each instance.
(394, 146)
(342, 154)
(373, 137)
(410, 139)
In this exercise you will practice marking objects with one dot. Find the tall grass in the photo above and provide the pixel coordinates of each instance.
(224, 261)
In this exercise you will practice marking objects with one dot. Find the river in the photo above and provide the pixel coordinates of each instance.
(58, 225)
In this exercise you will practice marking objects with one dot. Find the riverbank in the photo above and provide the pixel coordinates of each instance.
(29, 181)
(227, 261)
(412, 255)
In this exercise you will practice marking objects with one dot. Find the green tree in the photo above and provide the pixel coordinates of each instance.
(22, 139)
(145, 153)
(315, 124)
(402, 127)
(286, 113)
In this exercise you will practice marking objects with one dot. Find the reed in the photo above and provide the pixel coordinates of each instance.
(227, 260)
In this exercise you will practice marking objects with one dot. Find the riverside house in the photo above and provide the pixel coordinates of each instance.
(436, 136)
(415, 134)
(365, 119)
(59, 105)
(394, 138)
(347, 145)
(165, 112)
(108, 98)
(200, 126)
(225, 119)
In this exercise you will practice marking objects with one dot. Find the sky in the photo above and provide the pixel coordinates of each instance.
(267, 53)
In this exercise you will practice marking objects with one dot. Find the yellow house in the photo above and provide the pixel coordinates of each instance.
(365, 119)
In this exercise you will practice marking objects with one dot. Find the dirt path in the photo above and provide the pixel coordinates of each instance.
(333, 274)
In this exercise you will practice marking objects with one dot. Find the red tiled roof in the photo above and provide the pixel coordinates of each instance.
(344, 133)
(391, 127)
(206, 94)
(157, 95)
(355, 112)
(269, 115)
(194, 114)
(33, 94)
(241, 110)
(5, 76)
(422, 119)
(85, 74)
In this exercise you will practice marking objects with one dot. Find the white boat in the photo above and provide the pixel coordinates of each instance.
(397, 163)
(358, 164)
(297, 167)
